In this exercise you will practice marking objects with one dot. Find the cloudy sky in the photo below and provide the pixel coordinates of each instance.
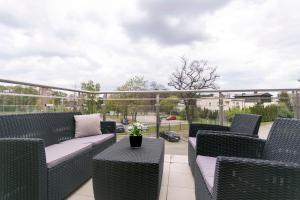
(254, 43)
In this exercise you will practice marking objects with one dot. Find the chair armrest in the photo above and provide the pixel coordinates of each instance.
(227, 132)
(194, 128)
(217, 144)
(243, 178)
(108, 127)
(23, 170)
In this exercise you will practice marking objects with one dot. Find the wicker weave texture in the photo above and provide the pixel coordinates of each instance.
(243, 124)
(101, 147)
(274, 176)
(215, 144)
(201, 190)
(63, 179)
(108, 127)
(256, 179)
(51, 127)
(23, 172)
(69, 175)
(192, 157)
(246, 124)
(283, 143)
(120, 172)
(194, 128)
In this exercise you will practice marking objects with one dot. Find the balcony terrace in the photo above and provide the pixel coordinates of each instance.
(147, 108)
(177, 182)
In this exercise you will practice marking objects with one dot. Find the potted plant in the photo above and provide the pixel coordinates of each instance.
(136, 135)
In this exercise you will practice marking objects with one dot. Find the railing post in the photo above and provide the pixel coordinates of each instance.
(3, 103)
(78, 104)
(76, 101)
(157, 115)
(103, 107)
(62, 104)
(221, 109)
(297, 105)
(44, 100)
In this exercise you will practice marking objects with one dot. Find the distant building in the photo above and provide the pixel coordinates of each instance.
(213, 103)
(180, 106)
(208, 103)
(240, 101)
(255, 98)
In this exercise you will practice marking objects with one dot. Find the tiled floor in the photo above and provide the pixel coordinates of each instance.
(177, 183)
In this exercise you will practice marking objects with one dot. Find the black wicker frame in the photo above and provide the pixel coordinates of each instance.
(122, 173)
(252, 168)
(23, 171)
(242, 124)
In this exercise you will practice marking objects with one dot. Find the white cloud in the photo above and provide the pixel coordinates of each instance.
(63, 42)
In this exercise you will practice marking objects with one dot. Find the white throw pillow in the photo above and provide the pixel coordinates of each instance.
(87, 125)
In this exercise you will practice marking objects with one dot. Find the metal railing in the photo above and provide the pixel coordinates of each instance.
(75, 100)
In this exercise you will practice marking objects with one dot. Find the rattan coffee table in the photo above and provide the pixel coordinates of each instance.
(123, 173)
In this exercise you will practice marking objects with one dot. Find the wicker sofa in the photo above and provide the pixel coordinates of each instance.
(233, 167)
(243, 124)
(41, 160)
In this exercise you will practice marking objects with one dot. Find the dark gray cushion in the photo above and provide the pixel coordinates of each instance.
(58, 153)
(192, 141)
(94, 140)
(207, 166)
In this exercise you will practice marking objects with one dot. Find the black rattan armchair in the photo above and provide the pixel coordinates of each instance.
(242, 124)
(249, 168)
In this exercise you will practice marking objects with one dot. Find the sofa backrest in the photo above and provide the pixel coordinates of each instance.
(283, 143)
(51, 127)
(247, 124)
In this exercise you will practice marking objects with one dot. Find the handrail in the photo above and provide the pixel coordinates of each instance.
(37, 95)
(152, 91)
(199, 91)
(43, 86)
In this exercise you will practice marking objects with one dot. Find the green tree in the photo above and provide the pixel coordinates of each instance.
(11, 103)
(137, 83)
(203, 113)
(169, 104)
(59, 102)
(213, 114)
(284, 111)
(231, 112)
(92, 102)
(130, 104)
(284, 97)
(268, 113)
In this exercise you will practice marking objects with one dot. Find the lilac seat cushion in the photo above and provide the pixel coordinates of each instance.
(207, 166)
(58, 153)
(94, 140)
(192, 141)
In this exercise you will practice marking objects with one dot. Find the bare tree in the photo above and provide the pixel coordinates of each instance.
(195, 75)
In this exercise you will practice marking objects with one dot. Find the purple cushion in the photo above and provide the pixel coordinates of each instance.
(192, 140)
(207, 166)
(59, 153)
(94, 140)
